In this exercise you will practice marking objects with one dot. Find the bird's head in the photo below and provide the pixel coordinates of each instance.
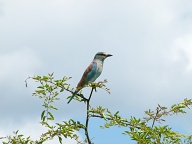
(102, 55)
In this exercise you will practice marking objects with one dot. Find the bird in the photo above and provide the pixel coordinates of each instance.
(92, 72)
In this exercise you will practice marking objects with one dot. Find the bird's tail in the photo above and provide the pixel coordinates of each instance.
(73, 96)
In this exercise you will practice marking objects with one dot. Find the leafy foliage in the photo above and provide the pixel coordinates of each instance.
(149, 129)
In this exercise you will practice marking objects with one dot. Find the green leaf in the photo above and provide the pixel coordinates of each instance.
(60, 139)
(52, 107)
(62, 89)
(42, 115)
(39, 91)
(51, 116)
(40, 87)
(45, 78)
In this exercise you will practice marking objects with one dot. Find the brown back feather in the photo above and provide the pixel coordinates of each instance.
(82, 81)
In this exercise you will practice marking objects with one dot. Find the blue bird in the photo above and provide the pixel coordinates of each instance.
(92, 72)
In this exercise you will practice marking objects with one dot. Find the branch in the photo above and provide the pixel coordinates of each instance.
(87, 117)
(156, 117)
(60, 85)
(124, 123)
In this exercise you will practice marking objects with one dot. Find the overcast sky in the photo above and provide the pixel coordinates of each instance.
(151, 44)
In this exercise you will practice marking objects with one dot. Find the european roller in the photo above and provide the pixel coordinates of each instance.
(92, 72)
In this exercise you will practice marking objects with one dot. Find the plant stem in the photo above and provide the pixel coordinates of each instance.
(157, 112)
(87, 117)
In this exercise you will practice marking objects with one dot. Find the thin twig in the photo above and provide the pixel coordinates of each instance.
(155, 118)
(87, 117)
(26, 81)
(125, 123)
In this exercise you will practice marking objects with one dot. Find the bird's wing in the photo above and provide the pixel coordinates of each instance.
(88, 75)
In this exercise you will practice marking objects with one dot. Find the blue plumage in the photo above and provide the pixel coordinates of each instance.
(91, 75)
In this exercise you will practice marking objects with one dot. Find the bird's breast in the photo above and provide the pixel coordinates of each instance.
(99, 68)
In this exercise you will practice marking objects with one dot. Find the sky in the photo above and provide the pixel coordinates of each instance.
(151, 44)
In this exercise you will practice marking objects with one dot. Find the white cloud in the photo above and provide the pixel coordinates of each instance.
(18, 65)
(182, 50)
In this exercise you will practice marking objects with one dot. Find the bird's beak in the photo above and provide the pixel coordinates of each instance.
(109, 55)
